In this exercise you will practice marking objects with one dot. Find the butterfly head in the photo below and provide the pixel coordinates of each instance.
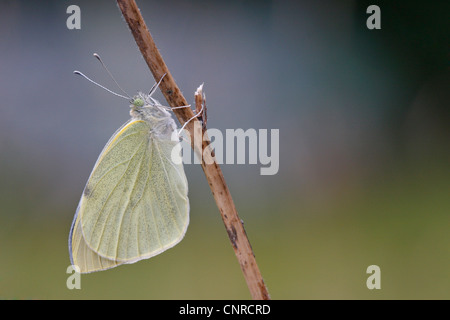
(137, 102)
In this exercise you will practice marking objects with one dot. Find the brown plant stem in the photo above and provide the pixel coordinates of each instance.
(213, 173)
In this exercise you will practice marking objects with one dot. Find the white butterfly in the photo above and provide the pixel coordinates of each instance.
(135, 204)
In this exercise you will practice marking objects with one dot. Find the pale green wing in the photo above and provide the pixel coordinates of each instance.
(135, 203)
(82, 256)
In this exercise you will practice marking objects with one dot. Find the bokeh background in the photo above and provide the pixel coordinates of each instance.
(364, 144)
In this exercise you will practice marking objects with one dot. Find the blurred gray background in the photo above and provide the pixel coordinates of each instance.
(364, 144)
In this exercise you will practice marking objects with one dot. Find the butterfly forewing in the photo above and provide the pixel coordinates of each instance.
(135, 203)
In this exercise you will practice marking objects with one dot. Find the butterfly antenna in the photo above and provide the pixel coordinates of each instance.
(156, 85)
(110, 74)
(84, 76)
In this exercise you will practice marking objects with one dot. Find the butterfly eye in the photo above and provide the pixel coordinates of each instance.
(138, 102)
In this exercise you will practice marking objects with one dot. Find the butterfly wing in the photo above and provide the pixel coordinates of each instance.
(135, 202)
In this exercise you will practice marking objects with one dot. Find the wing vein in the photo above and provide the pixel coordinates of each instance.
(170, 188)
(107, 199)
(151, 208)
(128, 202)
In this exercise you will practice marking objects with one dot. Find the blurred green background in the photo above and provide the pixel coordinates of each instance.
(364, 144)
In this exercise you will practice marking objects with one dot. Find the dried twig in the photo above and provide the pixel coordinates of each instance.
(213, 173)
(200, 106)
